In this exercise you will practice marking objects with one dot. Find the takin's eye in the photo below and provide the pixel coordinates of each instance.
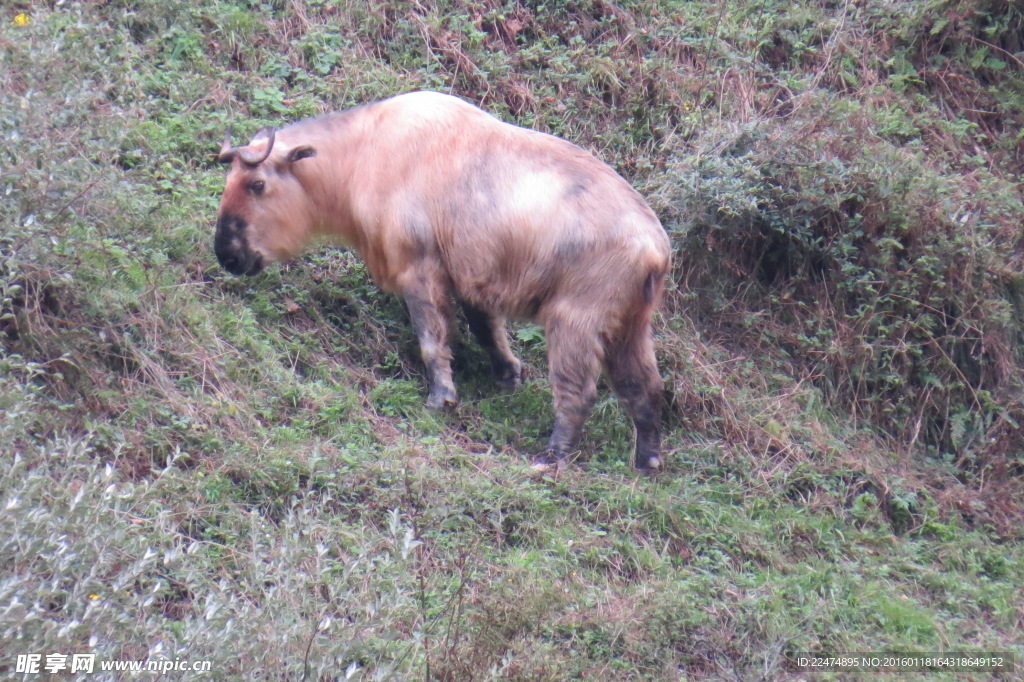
(256, 187)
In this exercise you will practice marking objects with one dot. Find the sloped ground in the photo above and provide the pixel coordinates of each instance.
(202, 467)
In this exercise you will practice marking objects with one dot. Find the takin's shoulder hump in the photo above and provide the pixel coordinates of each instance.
(436, 107)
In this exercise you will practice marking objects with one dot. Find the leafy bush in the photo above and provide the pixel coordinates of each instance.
(891, 276)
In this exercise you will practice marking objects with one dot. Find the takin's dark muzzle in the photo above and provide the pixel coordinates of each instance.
(232, 247)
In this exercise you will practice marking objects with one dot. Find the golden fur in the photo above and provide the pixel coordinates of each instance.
(442, 199)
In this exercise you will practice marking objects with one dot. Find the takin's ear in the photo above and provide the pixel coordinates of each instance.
(301, 152)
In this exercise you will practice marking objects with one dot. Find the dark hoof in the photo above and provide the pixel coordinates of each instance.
(509, 376)
(509, 385)
(442, 400)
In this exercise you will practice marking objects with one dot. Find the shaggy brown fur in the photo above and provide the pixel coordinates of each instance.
(444, 201)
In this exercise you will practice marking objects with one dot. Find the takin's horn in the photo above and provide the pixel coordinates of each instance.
(252, 158)
(227, 152)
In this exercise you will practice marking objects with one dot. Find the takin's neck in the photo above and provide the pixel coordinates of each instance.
(329, 177)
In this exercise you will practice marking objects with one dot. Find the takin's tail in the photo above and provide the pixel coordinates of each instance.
(653, 286)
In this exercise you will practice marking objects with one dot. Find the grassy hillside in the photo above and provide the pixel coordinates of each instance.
(200, 467)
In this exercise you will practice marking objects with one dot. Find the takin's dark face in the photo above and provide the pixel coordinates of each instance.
(264, 213)
(232, 246)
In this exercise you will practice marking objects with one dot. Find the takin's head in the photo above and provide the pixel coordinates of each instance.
(264, 213)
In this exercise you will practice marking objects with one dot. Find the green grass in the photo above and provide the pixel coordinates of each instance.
(200, 467)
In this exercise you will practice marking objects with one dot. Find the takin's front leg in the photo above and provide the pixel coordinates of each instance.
(428, 298)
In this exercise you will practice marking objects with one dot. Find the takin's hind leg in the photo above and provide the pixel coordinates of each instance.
(429, 301)
(633, 373)
(489, 331)
(574, 361)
